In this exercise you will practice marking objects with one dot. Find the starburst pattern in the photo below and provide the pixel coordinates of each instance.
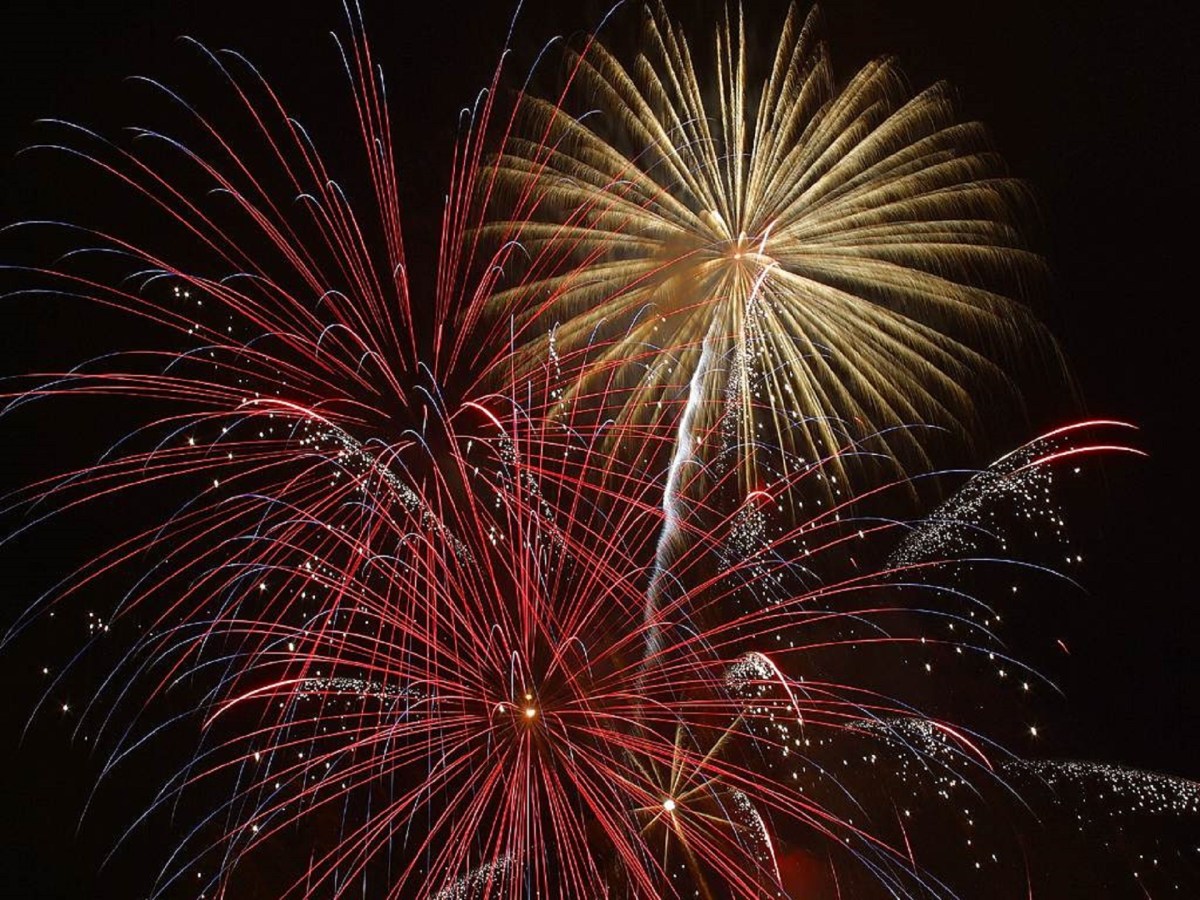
(841, 254)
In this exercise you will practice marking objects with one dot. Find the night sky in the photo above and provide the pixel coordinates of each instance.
(1092, 104)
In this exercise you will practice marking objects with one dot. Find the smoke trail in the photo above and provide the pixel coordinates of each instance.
(685, 441)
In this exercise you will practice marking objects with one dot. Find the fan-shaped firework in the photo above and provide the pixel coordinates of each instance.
(308, 374)
(829, 261)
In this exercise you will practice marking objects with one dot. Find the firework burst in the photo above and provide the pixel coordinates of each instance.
(477, 708)
(829, 262)
(555, 589)
(294, 375)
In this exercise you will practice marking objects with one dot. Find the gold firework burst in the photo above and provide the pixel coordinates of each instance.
(814, 264)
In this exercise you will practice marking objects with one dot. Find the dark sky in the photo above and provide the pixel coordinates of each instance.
(1092, 103)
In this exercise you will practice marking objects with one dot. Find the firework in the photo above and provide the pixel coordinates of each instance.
(293, 375)
(485, 714)
(829, 262)
(467, 625)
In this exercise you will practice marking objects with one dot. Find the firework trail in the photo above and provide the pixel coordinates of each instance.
(682, 456)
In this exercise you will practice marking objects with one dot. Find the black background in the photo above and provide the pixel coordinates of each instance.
(1092, 103)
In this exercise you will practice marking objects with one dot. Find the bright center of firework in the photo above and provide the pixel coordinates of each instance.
(669, 805)
(748, 249)
(530, 712)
